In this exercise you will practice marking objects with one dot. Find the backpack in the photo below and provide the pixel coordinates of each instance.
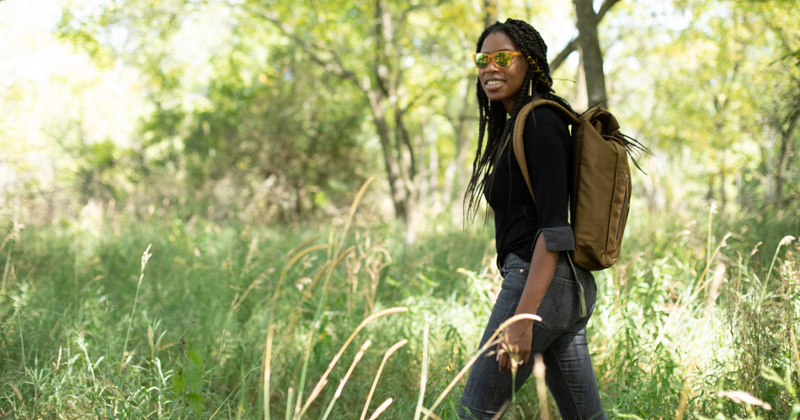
(600, 190)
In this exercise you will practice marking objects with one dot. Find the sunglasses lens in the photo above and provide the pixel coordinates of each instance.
(481, 60)
(503, 59)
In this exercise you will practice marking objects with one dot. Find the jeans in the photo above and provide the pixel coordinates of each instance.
(560, 337)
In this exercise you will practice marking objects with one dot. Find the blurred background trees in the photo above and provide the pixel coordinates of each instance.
(276, 111)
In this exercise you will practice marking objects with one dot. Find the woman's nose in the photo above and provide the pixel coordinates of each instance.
(492, 66)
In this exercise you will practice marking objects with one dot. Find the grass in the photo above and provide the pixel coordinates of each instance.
(244, 322)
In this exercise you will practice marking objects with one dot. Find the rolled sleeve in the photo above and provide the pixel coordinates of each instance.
(558, 238)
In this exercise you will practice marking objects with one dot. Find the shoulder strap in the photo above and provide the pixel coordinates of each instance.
(519, 130)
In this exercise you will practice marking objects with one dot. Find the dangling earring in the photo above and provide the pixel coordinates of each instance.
(530, 88)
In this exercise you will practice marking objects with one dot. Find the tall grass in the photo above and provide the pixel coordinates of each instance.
(691, 322)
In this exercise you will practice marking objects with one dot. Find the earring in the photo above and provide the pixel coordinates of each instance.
(530, 88)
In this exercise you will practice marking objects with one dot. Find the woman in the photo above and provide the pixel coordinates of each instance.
(532, 238)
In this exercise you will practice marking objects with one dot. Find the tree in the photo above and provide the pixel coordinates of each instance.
(373, 46)
(587, 43)
(240, 127)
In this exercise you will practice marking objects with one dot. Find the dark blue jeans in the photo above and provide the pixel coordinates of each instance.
(560, 337)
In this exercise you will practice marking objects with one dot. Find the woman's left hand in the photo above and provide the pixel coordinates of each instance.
(515, 345)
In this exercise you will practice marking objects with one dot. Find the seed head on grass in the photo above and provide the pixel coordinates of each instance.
(145, 258)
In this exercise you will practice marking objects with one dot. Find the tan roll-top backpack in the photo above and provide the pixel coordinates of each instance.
(600, 192)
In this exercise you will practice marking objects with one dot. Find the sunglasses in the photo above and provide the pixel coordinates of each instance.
(501, 59)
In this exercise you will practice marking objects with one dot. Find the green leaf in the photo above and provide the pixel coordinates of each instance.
(195, 358)
(193, 376)
(178, 385)
(195, 402)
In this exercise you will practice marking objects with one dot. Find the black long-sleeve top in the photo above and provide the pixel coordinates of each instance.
(518, 221)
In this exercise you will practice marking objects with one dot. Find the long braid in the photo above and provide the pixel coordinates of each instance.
(494, 120)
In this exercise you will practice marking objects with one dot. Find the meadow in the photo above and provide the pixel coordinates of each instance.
(160, 317)
(177, 239)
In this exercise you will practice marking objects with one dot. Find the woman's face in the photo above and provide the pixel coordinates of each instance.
(502, 84)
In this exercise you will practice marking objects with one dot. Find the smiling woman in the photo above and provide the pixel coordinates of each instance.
(533, 238)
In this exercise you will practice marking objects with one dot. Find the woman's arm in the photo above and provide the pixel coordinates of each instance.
(520, 334)
(547, 153)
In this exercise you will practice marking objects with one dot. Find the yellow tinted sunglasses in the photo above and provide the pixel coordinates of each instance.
(501, 59)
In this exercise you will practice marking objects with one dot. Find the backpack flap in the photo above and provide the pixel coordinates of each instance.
(602, 121)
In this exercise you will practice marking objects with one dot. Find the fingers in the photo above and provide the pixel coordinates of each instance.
(508, 363)
(502, 360)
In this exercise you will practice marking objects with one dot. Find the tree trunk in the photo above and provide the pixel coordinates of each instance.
(434, 203)
(591, 53)
(581, 96)
(456, 174)
(492, 9)
(398, 190)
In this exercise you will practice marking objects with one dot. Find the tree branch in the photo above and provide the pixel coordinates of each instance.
(333, 65)
(573, 45)
(562, 56)
(604, 8)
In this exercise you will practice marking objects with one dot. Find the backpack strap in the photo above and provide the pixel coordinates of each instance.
(519, 130)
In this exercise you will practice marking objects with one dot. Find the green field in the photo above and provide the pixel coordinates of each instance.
(91, 331)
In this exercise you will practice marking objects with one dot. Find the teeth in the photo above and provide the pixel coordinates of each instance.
(494, 82)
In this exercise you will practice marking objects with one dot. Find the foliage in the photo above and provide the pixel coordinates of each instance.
(219, 131)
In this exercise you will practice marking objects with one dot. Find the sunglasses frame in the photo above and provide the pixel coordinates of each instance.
(491, 59)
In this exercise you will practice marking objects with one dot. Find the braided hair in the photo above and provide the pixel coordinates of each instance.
(493, 117)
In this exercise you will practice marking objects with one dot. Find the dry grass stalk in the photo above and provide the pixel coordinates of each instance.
(785, 241)
(541, 388)
(267, 371)
(381, 408)
(302, 245)
(145, 258)
(489, 343)
(324, 379)
(288, 332)
(743, 397)
(793, 337)
(721, 244)
(502, 410)
(18, 394)
(338, 392)
(424, 374)
(386, 356)
(713, 292)
(255, 283)
(430, 413)
(335, 254)
(5, 272)
(289, 263)
(716, 282)
(14, 234)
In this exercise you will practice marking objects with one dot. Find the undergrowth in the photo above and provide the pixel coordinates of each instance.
(238, 321)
